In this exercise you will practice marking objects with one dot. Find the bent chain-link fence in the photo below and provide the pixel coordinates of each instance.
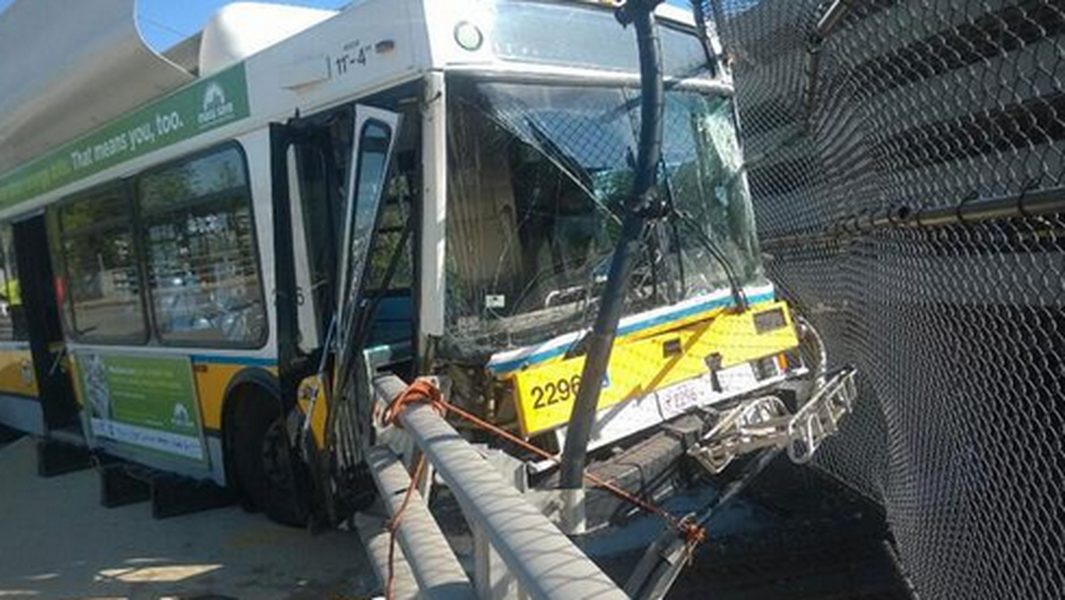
(906, 162)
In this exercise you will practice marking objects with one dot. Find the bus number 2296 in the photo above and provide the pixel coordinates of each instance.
(553, 392)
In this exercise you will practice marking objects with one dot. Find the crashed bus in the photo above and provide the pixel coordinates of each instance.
(220, 247)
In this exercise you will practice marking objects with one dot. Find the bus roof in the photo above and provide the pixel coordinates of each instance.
(76, 116)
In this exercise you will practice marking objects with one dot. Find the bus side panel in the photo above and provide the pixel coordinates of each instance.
(16, 372)
(214, 379)
(19, 405)
(212, 383)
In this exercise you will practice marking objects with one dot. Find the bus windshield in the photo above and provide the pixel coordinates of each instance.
(538, 177)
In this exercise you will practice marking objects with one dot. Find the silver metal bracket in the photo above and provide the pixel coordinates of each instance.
(765, 422)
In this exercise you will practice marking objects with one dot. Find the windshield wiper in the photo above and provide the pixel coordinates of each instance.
(674, 214)
(737, 290)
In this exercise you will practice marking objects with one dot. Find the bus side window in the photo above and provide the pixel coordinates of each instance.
(12, 315)
(103, 283)
(199, 245)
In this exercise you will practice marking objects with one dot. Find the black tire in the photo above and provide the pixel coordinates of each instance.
(8, 434)
(270, 473)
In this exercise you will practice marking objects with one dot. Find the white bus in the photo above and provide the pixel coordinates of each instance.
(444, 178)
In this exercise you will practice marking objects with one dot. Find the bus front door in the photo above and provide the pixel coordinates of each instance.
(43, 324)
(302, 273)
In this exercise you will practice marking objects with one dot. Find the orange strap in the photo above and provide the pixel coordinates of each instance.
(392, 525)
(422, 391)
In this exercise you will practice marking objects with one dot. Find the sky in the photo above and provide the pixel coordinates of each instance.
(165, 22)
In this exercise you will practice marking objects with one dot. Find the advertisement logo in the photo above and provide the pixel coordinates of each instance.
(97, 387)
(181, 418)
(216, 107)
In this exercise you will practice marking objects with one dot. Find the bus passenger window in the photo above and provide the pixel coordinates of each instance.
(103, 282)
(196, 224)
(12, 313)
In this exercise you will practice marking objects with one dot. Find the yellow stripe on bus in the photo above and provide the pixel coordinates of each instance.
(212, 383)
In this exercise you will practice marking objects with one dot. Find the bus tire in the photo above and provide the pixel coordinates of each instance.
(270, 473)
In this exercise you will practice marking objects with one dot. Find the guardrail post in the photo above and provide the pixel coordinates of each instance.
(491, 577)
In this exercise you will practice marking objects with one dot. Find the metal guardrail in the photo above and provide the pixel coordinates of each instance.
(433, 563)
(374, 534)
(546, 564)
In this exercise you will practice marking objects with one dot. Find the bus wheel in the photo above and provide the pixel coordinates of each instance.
(269, 469)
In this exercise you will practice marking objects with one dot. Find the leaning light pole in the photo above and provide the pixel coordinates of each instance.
(642, 205)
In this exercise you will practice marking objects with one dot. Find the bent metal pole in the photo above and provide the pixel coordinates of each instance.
(641, 205)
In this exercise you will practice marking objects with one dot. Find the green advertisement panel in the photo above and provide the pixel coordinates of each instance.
(202, 106)
(148, 403)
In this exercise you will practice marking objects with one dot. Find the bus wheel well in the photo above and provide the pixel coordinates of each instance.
(248, 387)
(262, 466)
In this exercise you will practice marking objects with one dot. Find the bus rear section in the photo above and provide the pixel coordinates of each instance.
(19, 403)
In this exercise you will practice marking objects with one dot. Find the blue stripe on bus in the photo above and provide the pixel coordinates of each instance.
(537, 357)
(234, 360)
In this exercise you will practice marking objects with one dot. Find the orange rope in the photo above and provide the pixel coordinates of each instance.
(392, 525)
(423, 391)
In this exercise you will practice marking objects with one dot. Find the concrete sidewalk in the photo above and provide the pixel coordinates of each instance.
(57, 542)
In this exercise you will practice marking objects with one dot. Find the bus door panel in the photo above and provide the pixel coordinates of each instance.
(299, 369)
(370, 155)
(308, 320)
(43, 322)
(375, 132)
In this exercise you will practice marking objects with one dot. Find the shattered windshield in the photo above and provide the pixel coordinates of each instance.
(537, 179)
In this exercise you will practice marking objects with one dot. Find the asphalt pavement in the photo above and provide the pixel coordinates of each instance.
(792, 536)
(57, 542)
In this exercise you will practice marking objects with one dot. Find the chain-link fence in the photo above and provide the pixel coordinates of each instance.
(906, 160)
